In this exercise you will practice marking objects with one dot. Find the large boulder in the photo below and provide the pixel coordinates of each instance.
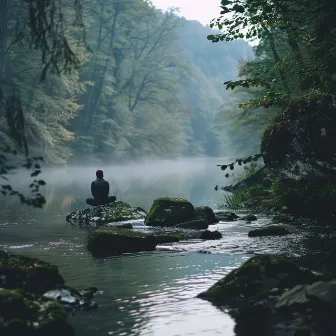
(258, 279)
(31, 314)
(170, 211)
(210, 235)
(107, 241)
(28, 274)
(112, 212)
(271, 230)
(206, 213)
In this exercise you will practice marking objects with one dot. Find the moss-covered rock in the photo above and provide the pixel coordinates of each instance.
(31, 314)
(206, 213)
(28, 274)
(198, 224)
(125, 226)
(108, 241)
(211, 235)
(249, 218)
(258, 279)
(169, 238)
(112, 212)
(169, 211)
(271, 230)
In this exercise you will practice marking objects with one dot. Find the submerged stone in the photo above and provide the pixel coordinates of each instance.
(28, 274)
(169, 211)
(258, 279)
(112, 212)
(249, 218)
(198, 224)
(206, 213)
(30, 314)
(107, 241)
(211, 235)
(226, 216)
(271, 230)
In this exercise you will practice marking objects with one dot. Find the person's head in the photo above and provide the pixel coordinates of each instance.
(99, 173)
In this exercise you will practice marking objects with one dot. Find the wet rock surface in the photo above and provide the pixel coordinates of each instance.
(112, 212)
(269, 295)
(271, 230)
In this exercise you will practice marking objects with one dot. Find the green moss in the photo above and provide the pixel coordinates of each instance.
(168, 211)
(255, 278)
(167, 238)
(205, 212)
(109, 240)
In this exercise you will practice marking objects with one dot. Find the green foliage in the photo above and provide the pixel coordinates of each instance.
(235, 200)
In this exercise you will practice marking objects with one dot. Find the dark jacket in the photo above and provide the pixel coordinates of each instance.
(100, 189)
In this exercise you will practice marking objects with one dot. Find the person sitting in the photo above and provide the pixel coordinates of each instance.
(100, 191)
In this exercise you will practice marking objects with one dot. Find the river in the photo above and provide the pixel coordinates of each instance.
(143, 293)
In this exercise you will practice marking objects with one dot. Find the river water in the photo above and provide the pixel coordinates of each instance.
(143, 293)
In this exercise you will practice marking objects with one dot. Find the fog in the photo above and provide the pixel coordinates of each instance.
(138, 183)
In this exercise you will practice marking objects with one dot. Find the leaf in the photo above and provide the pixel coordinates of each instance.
(35, 173)
(41, 182)
(223, 167)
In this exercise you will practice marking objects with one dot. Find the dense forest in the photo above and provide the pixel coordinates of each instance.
(293, 83)
(145, 83)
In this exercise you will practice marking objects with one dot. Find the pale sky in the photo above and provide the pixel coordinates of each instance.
(200, 10)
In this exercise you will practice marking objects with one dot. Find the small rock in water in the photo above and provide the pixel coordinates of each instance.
(226, 216)
(210, 235)
(250, 218)
(272, 230)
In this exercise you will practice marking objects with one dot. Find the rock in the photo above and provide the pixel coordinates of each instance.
(28, 274)
(107, 241)
(309, 296)
(168, 238)
(112, 212)
(226, 216)
(211, 235)
(169, 211)
(249, 218)
(281, 218)
(271, 230)
(259, 279)
(125, 226)
(198, 224)
(72, 299)
(30, 314)
(206, 213)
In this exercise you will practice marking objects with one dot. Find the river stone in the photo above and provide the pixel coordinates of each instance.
(107, 241)
(271, 230)
(206, 213)
(112, 212)
(198, 224)
(169, 211)
(281, 218)
(211, 235)
(28, 274)
(168, 238)
(226, 216)
(30, 314)
(256, 279)
(249, 218)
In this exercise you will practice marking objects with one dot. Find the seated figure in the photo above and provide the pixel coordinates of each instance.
(100, 191)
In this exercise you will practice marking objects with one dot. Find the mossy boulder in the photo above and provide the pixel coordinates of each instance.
(169, 238)
(258, 279)
(206, 213)
(28, 274)
(107, 241)
(198, 224)
(112, 212)
(169, 211)
(271, 230)
(30, 314)
(211, 235)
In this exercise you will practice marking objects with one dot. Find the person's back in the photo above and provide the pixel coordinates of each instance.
(100, 191)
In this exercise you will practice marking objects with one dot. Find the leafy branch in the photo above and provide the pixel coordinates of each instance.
(35, 199)
(240, 162)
